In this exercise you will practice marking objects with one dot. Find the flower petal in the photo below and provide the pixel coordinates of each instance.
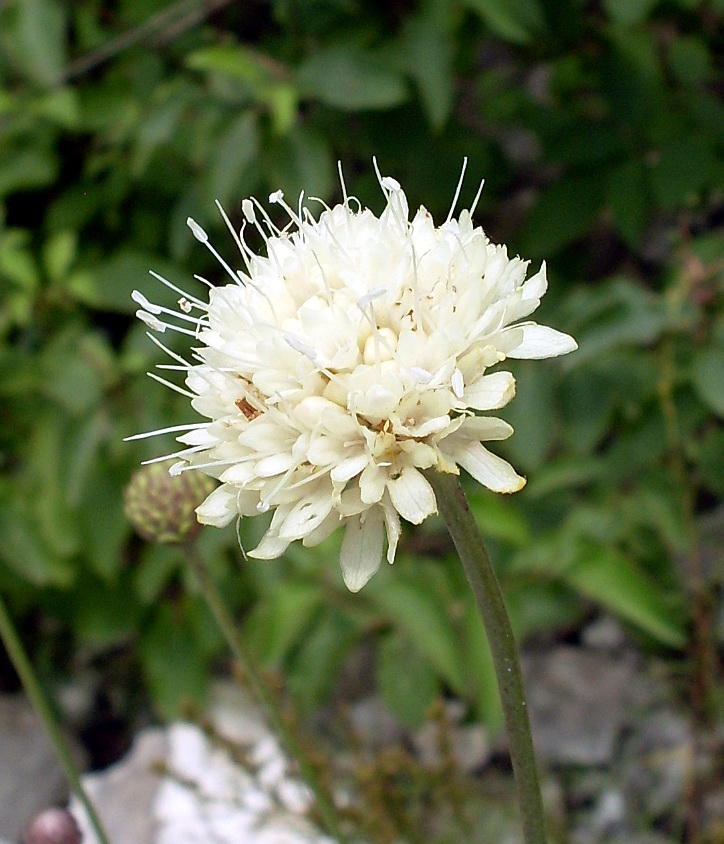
(490, 392)
(412, 495)
(349, 467)
(540, 341)
(489, 469)
(307, 514)
(219, 508)
(271, 546)
(361, 552)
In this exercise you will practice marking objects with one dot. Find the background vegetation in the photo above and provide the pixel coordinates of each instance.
(599, 129)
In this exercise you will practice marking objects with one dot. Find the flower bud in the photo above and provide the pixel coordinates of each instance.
(161, 506)
(53, 826)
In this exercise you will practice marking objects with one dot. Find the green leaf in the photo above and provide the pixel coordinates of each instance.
(633, 79)
(710, 460)
(420, 614)
(690, 59)
(532, 414)
(239, 62)
(315, 669)
(587, 402)
(708, 377)
(72, 372)
(155, 568)
(564, 473)
(236, 150)
(480, 670)
(278, 623)
(58, 254)
(613, 580)
(115, 279)
(406, 680)
(426, 51)
(102, 524)
(104, 614)
(499, 518)
(620, 313)
(16, 259)
(564, 211)
(674, 180)
(176, 670)
(41, 40)
(47, 457)
(347, 78)
(628, 12)
(627, 195)
(23, 550)
(513, 20)
(26, 169)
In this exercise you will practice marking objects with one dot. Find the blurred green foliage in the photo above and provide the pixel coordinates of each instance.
(599, 128)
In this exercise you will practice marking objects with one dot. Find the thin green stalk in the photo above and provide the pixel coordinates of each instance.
(34, 691)
(262, 692)
(453, 506)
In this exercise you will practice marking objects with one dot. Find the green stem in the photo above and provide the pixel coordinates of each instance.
(37, 696)
(453, 506)
(262, 692)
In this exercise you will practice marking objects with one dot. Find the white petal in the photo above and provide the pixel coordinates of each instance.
(270, 547)
(489, 469)
(239, 473)
(324, 450)
(372, 484)
(393, 528)
(431, 426)
(540, 341)
(349, 468)
(307, 514)
(484, 428)
(219, 508)
(273, 465)
(361, 552)
(536, 285)
(412, 495)
(490, 392)
(320, 533)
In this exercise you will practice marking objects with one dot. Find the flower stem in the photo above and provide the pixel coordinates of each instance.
(263, 694)
(454, 508)
(33, 689)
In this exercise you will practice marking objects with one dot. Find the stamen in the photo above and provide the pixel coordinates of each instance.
(151, 321)
(202, 237)
(477, 197)
(237, 237)
(168, 351)
(192, 450)
(141, 300)
(457, 190)
(278, 198)
(172, 386)
(170, 430)
(197, 302)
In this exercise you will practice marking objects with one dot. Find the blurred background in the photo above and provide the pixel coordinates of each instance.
(599, 130)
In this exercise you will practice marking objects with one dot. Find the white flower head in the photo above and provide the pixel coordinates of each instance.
(351, 357)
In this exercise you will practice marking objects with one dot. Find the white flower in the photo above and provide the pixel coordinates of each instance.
(351, 357)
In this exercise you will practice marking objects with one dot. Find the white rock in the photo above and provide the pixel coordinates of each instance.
(182, 785)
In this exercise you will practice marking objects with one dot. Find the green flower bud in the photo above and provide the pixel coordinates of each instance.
(161, 506)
